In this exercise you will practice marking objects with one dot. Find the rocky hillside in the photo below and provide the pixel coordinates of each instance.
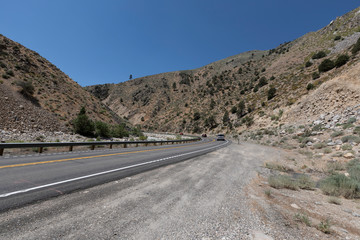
(249, 90)
(36, 95)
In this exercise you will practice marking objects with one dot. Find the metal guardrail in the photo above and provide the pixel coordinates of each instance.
(40, 146)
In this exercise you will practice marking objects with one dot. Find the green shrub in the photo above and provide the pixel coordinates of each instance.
(319, 55)
(355, 173)
(356, 47)
(2, 65)
(347, 125)
(351, 120)
(233, 110)
(305, 182)
(334, 200)
(318, 127)
(319, 145)
(10, 73)
(102, 129)
(340, 185)
(352, 163)
(341, 60)
(327, 150)
(143, 138)
(268, 192)
(302, 218)
(315, 75)
(336, 38)
(271, 93)
(346, 147)
(308, 64)
(27, 89)
(83, 125)
(278, 167)
(334, 166)
(337, 133)
(136, 131)
(326, 65)
(197, 116)
(5, 76)
(351, 138)
(119, 131)
(310, 86)
(324, 226)
(283, 181)
(357, 130)
(262, 82)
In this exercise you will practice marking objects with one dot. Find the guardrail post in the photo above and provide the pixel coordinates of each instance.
(110, 146)
(70, 148)
(40, 150)
(1, 151)
(125, 145)
(161, 143)
(146, 144)
(155, 144)
(92, 147)
(137, 145)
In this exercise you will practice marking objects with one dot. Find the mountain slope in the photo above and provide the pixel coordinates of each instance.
(36, 95)
(211, 98)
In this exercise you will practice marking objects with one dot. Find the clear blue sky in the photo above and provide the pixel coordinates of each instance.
(97, 42)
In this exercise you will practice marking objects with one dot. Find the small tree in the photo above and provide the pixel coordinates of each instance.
(310, 86)
(308, 64)
(271, 93)
(196, 116)
(262, 82)
(341, 60)
(212, 104)
(326, 65)
(27, 89)
(319, 55)
(136, 131)
(119, 131)
(130, 77)
(241, 109)
(83, 125)
(102, 129)
(233, 110)
(210, 122)
(226, 118)
(315, 75)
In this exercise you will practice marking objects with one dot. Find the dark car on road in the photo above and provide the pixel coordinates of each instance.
(220, 137)
(204, 135)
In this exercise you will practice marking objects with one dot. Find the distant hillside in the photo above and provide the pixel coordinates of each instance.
(36, 95)
(252, 89)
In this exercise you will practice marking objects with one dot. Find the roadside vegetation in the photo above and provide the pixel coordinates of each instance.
(84, 126)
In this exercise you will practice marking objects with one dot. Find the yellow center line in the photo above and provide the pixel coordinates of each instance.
(97, 156)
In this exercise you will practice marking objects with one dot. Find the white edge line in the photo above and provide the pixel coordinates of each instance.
(102, 173)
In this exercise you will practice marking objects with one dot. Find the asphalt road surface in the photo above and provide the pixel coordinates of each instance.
(25, 180)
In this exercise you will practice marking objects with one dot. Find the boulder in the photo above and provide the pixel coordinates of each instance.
(349, 155)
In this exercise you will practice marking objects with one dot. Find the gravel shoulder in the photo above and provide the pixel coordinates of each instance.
(209, 197)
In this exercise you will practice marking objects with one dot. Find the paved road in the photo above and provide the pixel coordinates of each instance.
(206, 197)
(24, 180)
